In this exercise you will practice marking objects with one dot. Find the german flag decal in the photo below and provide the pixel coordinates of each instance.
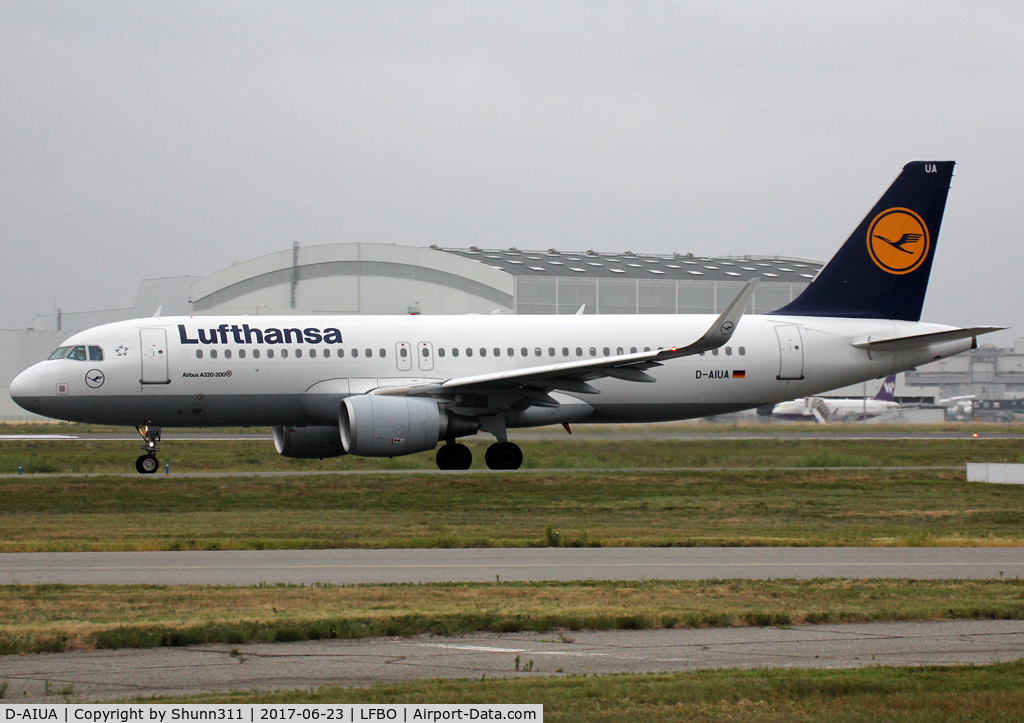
(739, 373)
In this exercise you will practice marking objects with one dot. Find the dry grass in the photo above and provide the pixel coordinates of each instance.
(58, 617)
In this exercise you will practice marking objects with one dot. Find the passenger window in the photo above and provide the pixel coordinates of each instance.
(714, 352)
(403, 352)
(455, 351)
(523, 351)
(511, 351)
(632, 350)
(593, 351)
(312, 353)
(536, 351)
(551, 351)
(284, 353)
(440, 352)
(607, 351)
(255, 353)
(355, 353)
(579, 351)
(497, 351)
(702, 353)
(647, 348)
(298, 353)
(728, 351)
(369, 353)
(619, 351)
(483, 352)
(227, 353)
(60, 353)
(95, 353)
(426, 352)
(270, 353)
(77, 353)
(382, 352)
(565, 351)
(241, 353)
(341, 353)
(469, 352)
(743, 352)
(213, 353)
(199, 353)
(327, 353)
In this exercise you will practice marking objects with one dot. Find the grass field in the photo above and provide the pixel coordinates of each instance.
(568, 453)
(726, 508)
(897, 695)
(39, 618)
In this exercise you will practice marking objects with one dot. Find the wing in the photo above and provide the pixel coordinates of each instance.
(530, 386)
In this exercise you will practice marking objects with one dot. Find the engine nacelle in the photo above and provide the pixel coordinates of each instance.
(308, 442)
(390, 426)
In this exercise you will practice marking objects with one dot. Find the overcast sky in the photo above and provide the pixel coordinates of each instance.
(147, 139)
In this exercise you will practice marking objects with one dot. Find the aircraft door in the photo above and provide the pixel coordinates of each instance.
(403, 356)
(154, 356)
(791, 352)
(425, 355)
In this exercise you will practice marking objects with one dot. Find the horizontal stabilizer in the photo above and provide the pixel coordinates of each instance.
(917, 341)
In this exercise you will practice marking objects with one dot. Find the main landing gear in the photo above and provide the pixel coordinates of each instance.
(148, 463)
(500, 455)
(454, 456)
(503, 455)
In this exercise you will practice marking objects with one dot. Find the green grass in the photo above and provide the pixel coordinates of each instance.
(55, 618)
(258, 455)
(796, 508)
(957, 694)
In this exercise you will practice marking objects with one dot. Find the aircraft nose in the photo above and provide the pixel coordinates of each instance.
(25, 389)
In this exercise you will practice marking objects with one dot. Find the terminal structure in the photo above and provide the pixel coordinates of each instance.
(371, 278)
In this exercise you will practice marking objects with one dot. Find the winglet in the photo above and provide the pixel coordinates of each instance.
(721, 331)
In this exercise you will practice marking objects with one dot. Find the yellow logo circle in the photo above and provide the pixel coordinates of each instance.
(898, 240)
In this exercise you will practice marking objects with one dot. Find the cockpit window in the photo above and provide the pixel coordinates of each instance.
(95, 353)
(60, 353)
(77, 353)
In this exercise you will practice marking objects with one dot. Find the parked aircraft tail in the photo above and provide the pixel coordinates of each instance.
(885, 392)
(882, 270)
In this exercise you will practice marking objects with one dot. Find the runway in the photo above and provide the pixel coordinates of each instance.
(120, 674)
(348, 567)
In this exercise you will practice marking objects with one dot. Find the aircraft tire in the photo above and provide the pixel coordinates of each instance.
(454, 456)
(147, 464)
(504, 455)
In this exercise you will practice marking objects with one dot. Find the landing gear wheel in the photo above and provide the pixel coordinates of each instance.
(454, 456)
(503, 455)
(147, 464)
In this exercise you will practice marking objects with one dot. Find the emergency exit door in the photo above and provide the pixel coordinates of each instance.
(154, 356)
(791, 352)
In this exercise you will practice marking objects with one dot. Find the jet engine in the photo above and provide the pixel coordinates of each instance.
(390, 426)
(308, 442)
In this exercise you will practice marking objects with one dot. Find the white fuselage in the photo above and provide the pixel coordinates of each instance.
(222, 376)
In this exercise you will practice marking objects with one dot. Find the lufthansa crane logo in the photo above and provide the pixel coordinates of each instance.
(898, 241)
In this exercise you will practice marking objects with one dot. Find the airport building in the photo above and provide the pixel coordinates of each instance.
(363, 278)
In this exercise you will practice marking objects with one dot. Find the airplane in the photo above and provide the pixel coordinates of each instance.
(386, 386)
(822, 409)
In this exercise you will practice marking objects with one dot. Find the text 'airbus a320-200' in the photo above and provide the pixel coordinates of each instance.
(384, 386)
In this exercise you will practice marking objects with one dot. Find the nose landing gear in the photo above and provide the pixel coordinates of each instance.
(148, 463)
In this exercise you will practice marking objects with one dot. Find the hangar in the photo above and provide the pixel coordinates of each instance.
(373, 278)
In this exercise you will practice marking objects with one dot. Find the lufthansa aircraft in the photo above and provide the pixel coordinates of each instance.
(391, 385)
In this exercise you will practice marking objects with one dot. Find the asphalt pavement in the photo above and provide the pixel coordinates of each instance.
(348, 567)
(123, 674)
